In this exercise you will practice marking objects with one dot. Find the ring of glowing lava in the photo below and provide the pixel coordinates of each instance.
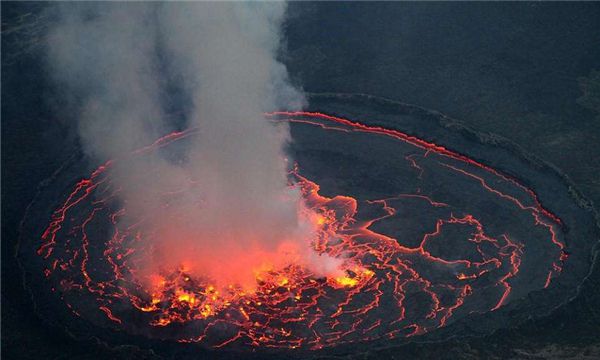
(430, 237)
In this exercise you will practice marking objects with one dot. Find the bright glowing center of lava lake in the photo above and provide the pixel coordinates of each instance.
(411, 262)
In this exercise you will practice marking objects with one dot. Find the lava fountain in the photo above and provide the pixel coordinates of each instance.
(453, 237)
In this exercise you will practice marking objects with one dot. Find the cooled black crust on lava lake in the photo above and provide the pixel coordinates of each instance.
(555, 191)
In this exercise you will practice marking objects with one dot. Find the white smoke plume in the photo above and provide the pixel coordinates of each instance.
(240, 215)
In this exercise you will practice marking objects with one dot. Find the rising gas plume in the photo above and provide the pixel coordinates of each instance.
(118, 65)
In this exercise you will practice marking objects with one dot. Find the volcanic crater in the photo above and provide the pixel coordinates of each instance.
(443, 232)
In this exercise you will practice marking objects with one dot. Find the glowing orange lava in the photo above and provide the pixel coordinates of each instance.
(385, 288)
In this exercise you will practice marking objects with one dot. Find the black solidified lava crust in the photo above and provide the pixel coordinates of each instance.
(321, 161)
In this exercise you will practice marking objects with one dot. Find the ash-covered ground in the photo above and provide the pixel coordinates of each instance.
(522, 106)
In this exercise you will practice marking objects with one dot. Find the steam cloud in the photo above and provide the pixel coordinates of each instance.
(115, 63)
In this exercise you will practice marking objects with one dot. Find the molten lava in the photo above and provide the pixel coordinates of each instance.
(385, 287)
